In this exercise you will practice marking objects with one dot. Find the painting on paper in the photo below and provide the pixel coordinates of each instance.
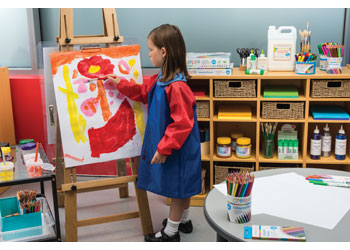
(97, 122)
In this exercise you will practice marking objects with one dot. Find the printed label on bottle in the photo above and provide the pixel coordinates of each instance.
(242, 152)
(224, 151)
(315, 147)
(340, 147)
(282, 52)
(326, 143)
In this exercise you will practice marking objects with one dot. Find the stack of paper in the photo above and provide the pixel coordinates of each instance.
(322, 112)
(209, 63)
(281, 92)
(236, 112)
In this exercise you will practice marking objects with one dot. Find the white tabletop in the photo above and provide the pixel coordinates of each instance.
(216, 215)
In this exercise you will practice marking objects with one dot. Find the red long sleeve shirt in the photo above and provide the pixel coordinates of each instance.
(181, 101)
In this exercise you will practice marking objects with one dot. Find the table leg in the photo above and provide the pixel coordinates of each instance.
(42, 188)
(55, 205)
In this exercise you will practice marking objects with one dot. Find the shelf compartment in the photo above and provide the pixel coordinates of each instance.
(233, 158)
(275, 159)
(328, 160)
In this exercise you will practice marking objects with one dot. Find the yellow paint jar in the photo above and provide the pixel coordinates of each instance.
(6, 171)
(223, 147)
(243, 147)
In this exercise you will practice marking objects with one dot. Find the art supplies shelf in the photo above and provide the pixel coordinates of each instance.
(252, 128)
(50, 229)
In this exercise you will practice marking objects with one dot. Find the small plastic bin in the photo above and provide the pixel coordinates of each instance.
(10, 206)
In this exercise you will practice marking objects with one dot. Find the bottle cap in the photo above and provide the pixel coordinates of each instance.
(243, 141)
(341, 130)
(326, 128)
(223, 140)
(262, 53)
(235, 135)
(6, 150)
(316, 131)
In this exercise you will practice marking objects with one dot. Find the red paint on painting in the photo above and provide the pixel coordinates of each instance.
(105, 67)
(115, 134)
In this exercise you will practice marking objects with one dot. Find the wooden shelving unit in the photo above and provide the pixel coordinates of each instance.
(251, 128)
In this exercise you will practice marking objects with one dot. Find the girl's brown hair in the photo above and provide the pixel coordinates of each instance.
(170, 37)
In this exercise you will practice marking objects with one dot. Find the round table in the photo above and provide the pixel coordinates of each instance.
(216, 214)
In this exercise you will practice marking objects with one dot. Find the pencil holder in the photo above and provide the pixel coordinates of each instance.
(323, 62)
(305, 68)
(334, 65)
(268, 147)
(239, 209)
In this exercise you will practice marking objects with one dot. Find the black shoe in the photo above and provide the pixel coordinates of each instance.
(185, 228)
(162, 238)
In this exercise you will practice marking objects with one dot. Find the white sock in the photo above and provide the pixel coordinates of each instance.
(184, 217)
(171, 228)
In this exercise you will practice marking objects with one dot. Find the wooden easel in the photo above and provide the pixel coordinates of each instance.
(67, 178)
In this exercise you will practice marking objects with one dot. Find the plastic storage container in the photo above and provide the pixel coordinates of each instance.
(39, 225)
(281, 48)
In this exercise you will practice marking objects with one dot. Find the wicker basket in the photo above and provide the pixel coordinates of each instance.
(283, 110)
(330, 88)
(202, 109)
(220, 172)
(235, 88)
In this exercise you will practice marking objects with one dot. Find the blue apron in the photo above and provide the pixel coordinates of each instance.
(180, 176)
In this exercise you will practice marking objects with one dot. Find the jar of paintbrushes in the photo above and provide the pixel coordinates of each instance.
(268, 131)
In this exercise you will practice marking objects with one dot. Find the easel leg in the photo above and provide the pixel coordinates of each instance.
(60, 169)
(121, 166)
(142, 202)
(145, 214)
(71, 216)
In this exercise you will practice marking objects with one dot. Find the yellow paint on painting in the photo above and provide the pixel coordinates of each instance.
(136, 73)
(94, 68)
(77, 121)
(139, 118)
(132, 62)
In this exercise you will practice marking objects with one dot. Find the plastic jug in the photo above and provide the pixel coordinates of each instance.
(281, 48)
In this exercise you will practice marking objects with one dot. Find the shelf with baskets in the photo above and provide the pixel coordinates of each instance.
(241, 89)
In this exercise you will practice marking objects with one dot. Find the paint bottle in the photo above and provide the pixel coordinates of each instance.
(326, 142)
(249, 60)
(262, 61)
(315, 145)
(340, 144)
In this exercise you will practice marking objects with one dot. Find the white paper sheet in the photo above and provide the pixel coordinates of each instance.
(292, 197)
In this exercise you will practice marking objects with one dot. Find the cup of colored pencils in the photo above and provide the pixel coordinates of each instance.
(28, 202)
(334, 58)
(239, 187)
(322, 50)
